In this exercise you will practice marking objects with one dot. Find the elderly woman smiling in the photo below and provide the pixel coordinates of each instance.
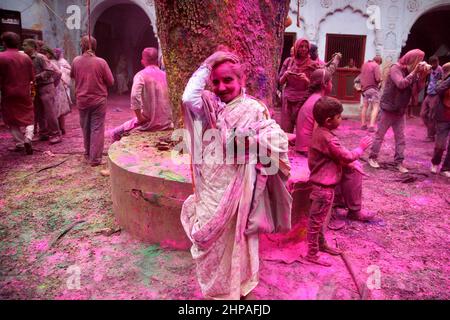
(233, 200)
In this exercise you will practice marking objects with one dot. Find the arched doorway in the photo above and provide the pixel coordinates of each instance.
(124, 29)
(430, 34)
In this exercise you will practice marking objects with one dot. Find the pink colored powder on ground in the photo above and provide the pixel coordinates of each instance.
(39, 245)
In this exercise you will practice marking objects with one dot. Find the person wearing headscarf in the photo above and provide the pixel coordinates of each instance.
(296, 81)
(65, 67)
(394, 103)
(234, 198)
(314, 54)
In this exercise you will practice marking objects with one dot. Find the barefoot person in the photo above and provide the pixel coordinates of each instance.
(442, 124)
(220, 218)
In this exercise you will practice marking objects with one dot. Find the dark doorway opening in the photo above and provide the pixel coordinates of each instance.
(289, 41)
(352, 47)
(430, 34)
(124, 30)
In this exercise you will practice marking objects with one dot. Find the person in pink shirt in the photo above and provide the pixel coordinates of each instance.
(370, 79)
(320, 86)
(16, 76)
(92, 78)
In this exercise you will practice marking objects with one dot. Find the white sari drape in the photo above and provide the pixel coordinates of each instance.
(216, 217)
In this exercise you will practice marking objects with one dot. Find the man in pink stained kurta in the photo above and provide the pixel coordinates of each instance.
(16, 76)
(92, 78)
(228, 210)
(149, 98)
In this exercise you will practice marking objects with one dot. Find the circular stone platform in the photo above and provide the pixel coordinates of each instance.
(148, 189)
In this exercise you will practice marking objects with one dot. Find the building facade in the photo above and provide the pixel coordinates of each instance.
(383, 25)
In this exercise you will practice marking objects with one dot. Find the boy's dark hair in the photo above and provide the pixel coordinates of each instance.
(325, 108)
(11, 40)
(433, 59)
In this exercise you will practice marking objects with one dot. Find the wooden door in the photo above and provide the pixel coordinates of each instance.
(351, 47)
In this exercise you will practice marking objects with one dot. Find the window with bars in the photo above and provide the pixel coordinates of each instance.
(351, 47)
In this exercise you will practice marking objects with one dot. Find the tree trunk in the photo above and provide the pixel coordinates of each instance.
(191, 30)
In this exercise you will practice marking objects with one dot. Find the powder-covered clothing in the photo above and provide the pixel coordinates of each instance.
(443, 112)
(44, 71)
(305, 124)
(150, 95)
(398, 90)
(327, 157)
(227, 196)
(16, 75)
(435, 76)
(370, 76)
(92, 78)
(397, 122)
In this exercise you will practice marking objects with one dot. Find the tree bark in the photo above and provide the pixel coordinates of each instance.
(190, 30)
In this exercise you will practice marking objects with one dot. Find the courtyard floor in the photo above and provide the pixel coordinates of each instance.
(57, 224)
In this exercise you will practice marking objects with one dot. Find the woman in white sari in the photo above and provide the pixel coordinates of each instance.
(234, 198)
(62, 88)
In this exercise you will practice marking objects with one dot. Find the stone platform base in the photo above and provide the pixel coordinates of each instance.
(148, 190)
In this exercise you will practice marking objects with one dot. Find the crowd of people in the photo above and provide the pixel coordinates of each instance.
(36, 94)
(233, 203)
(223, 215)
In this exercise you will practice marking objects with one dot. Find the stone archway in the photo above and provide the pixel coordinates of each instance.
(418, 10)
(356, 24)
(427, 32)
(99, 6)
(122, 28)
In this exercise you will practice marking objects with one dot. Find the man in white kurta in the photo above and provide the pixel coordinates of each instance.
(149, 98)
